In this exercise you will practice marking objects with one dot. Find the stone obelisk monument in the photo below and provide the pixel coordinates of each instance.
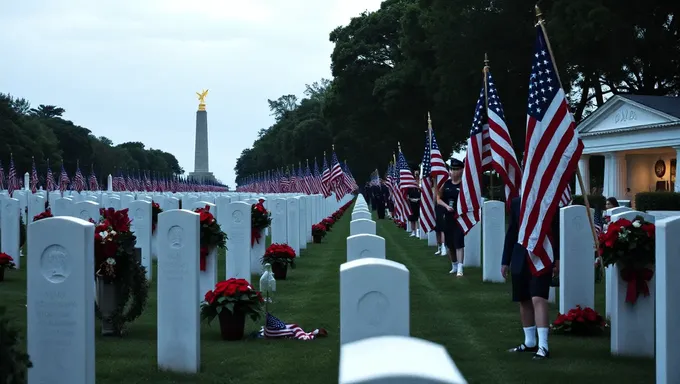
(201, 171)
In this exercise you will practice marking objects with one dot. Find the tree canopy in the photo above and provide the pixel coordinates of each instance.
(390, 67)
(42, 134)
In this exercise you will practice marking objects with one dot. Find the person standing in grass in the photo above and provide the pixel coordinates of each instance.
(531, 292)
(454, 238)
(414, 200)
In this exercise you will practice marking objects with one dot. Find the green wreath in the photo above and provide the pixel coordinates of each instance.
(132, 287)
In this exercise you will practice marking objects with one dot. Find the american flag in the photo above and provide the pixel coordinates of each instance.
(94, 185)
(275, 328)
(326, 177)
(2, 177)
(337, 177)
(598, 220)
(309, 180)
(78, 180)
(49, 179)
(489, 147)
(34, 178)
(428, 198)
(552, 149)
(317, 178)
(64, 180)
(565, 199)
(406, 181)
(12, 182)
(438, 164)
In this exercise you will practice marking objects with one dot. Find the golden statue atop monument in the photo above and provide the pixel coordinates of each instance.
(201, 99)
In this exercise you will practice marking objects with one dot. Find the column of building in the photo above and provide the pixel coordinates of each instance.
(677, 179)
(615, 175)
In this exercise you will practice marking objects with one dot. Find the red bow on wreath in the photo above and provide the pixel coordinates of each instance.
(637, 279)
(255, 236)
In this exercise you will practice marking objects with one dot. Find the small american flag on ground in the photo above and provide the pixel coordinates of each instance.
(277, 329)
(598, 220)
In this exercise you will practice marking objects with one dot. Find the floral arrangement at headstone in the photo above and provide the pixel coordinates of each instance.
(579, 321)
(14, 362)
(630, 245)
(231, 301)
(328, 223)
(318, 232)
(211, 234)
(122, 287)
(155, 211)
(400, 224)
(6, 262)
(44, 215)
(280, 256)
(260, 219)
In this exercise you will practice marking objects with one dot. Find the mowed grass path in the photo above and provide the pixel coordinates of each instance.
(475, 321)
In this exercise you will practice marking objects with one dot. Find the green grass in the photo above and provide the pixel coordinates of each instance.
(475, 321)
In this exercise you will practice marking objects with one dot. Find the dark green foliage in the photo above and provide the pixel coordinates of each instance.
(13, 361)
(595, 201)
(41, 134)
(390, 67)
(657, 201)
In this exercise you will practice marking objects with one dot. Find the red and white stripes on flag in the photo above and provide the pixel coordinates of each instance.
(552, 150)
(489, 147)
(427, 196)
(566, 196)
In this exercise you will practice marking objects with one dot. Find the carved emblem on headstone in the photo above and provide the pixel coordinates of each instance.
(139, 214)
(237, 216)
(54, 264)
(85, 215)
(279, 207)
(365, 253)
(372, 308)
(175, 234)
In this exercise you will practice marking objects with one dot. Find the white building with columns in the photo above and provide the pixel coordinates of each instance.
(639, 137)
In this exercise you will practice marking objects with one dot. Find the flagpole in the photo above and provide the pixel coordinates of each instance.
(541, 23)
(429, 148)
(485, 71)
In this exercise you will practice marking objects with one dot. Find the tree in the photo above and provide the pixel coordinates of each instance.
(47, 111)
(281, 106)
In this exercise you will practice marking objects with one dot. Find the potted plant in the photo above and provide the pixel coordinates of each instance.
(579, 321)
(122, 287)
(279, 256)
(6, 262)
(260, 219)
(318, 232)
(211, 235)
(46, 214)
(631, 246)
(328, 222)
(14, 362)
(231, 301)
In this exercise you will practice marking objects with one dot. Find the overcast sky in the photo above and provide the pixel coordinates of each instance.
(129, 70)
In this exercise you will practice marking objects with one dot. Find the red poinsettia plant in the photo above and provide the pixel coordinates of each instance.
(233, 295)
(260, 218)
(211, 234)
(630, 245)
(155, 211)
(44, 215)
(579, 321)
(6, 261)
(279, 254)
(328, 222)
(114, 244)
(318, 230)
(400, 224)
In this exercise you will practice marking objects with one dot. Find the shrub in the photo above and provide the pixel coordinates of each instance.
(657, 201)
(13, 361)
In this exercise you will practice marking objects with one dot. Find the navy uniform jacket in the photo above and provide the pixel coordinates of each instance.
(514, 254)
(385, 192)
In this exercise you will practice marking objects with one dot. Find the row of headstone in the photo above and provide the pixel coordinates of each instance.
(375, 340)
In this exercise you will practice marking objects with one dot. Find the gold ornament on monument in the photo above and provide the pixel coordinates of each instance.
(201, 99)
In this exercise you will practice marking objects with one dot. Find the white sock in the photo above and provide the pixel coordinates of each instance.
(453, 267)
(530, 336)
(543, 338)
(460, 267)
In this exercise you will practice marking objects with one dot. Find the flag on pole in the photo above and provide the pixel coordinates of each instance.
(428, 198)
(552, 149)
(34, 177)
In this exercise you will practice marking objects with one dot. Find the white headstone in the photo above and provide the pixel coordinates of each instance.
(171, 203)
(62, 207)
(179, 340)
(493, 236)
(397, 360)
(238, 228)
(310, 221)
(577, 257)
(140, 214)
(293, 227)
(36, 206)
(357, 227)
(279, 222)
(60, 333)
(10, 230)
(667, 301)
(361, 214)
(473, 246)
(302, 227)
(374, 299)
(86, 210)
(364, 246)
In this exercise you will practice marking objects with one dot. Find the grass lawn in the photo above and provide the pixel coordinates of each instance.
(475, 321)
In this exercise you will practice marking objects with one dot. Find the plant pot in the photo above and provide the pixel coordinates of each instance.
(317, 239)
(280, 271)
(107, 300)
(232, 326)
(2, 273)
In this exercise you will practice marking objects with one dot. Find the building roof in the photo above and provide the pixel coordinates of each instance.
(666, 104)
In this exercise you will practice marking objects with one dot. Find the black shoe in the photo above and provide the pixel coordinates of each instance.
(542, 354)
(523, 348)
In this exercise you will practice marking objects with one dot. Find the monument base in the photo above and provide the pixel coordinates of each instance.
(201, 177)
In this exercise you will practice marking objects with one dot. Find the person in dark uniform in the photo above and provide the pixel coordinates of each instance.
(530, 291)
(385, 193)
(366, 192)
(414, 200)
(454, 238)
(375, 195)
